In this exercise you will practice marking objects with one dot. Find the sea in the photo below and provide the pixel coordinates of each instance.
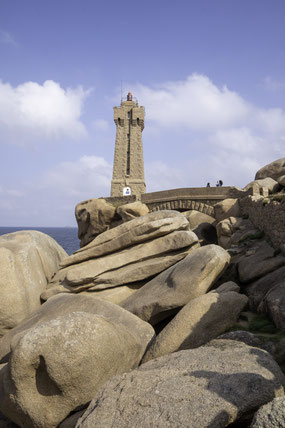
(64, 236)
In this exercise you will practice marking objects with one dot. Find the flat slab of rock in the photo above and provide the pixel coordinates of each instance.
(28, 260)
(60, 364)
(133, 232)
(115, 295)
(127, 266)
(64, 304)
(210, 386)
(176, 286)
(198, 322)
(258, 264)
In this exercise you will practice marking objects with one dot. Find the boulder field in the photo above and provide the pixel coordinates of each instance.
(154, 322)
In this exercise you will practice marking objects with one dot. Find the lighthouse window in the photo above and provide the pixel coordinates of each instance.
(138, 121)
(128, 156)
(129, 114)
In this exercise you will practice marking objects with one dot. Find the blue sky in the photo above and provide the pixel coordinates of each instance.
(210, 74)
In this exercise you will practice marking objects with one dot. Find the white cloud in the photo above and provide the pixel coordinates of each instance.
(89, 177)
(210, 127)
(101, 125)
(33, 112)
(195, 103)
(7, 38)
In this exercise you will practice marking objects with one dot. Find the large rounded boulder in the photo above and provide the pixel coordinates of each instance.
(28, 260)
(210, 386)
(63, 354)
(273, 170)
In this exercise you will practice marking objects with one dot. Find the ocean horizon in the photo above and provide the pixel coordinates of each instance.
(64, 236)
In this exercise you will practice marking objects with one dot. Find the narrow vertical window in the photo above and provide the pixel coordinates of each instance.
(128, 155)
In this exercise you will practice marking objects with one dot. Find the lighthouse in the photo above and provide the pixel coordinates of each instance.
(128, 168)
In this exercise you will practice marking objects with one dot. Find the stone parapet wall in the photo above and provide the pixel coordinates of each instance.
(208, 195)
(267, 215)
(187, 198)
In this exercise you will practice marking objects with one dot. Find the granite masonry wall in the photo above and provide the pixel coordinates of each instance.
(268, 215)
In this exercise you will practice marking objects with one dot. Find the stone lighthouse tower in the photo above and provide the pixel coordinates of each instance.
(128, 168)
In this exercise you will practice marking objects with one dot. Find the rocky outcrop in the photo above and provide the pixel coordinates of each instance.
(281, 180)
(273, 304)
(41, 387)
(210, 386)
(61, 357)
(271, 415)
(259, 261)
(203, 226)
(196, 218)
(273, 170)
(232, 230)
(243, 336)
(226, 286)
(28, 260)
(257, 290)
(227, 208)
(198, 322)
(269, 183)
(133, 263)
(137, 231)
(116, 294)
(93, 217)
(152, 268)
(66, 304)
(132, 210)
(176, 286)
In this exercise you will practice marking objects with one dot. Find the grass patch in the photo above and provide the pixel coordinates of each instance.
(262, 324)
(263, 327)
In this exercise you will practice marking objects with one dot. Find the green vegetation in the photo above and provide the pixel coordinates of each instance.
(262, 324)
(263, 327)
(278, 197)
(257, 235)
